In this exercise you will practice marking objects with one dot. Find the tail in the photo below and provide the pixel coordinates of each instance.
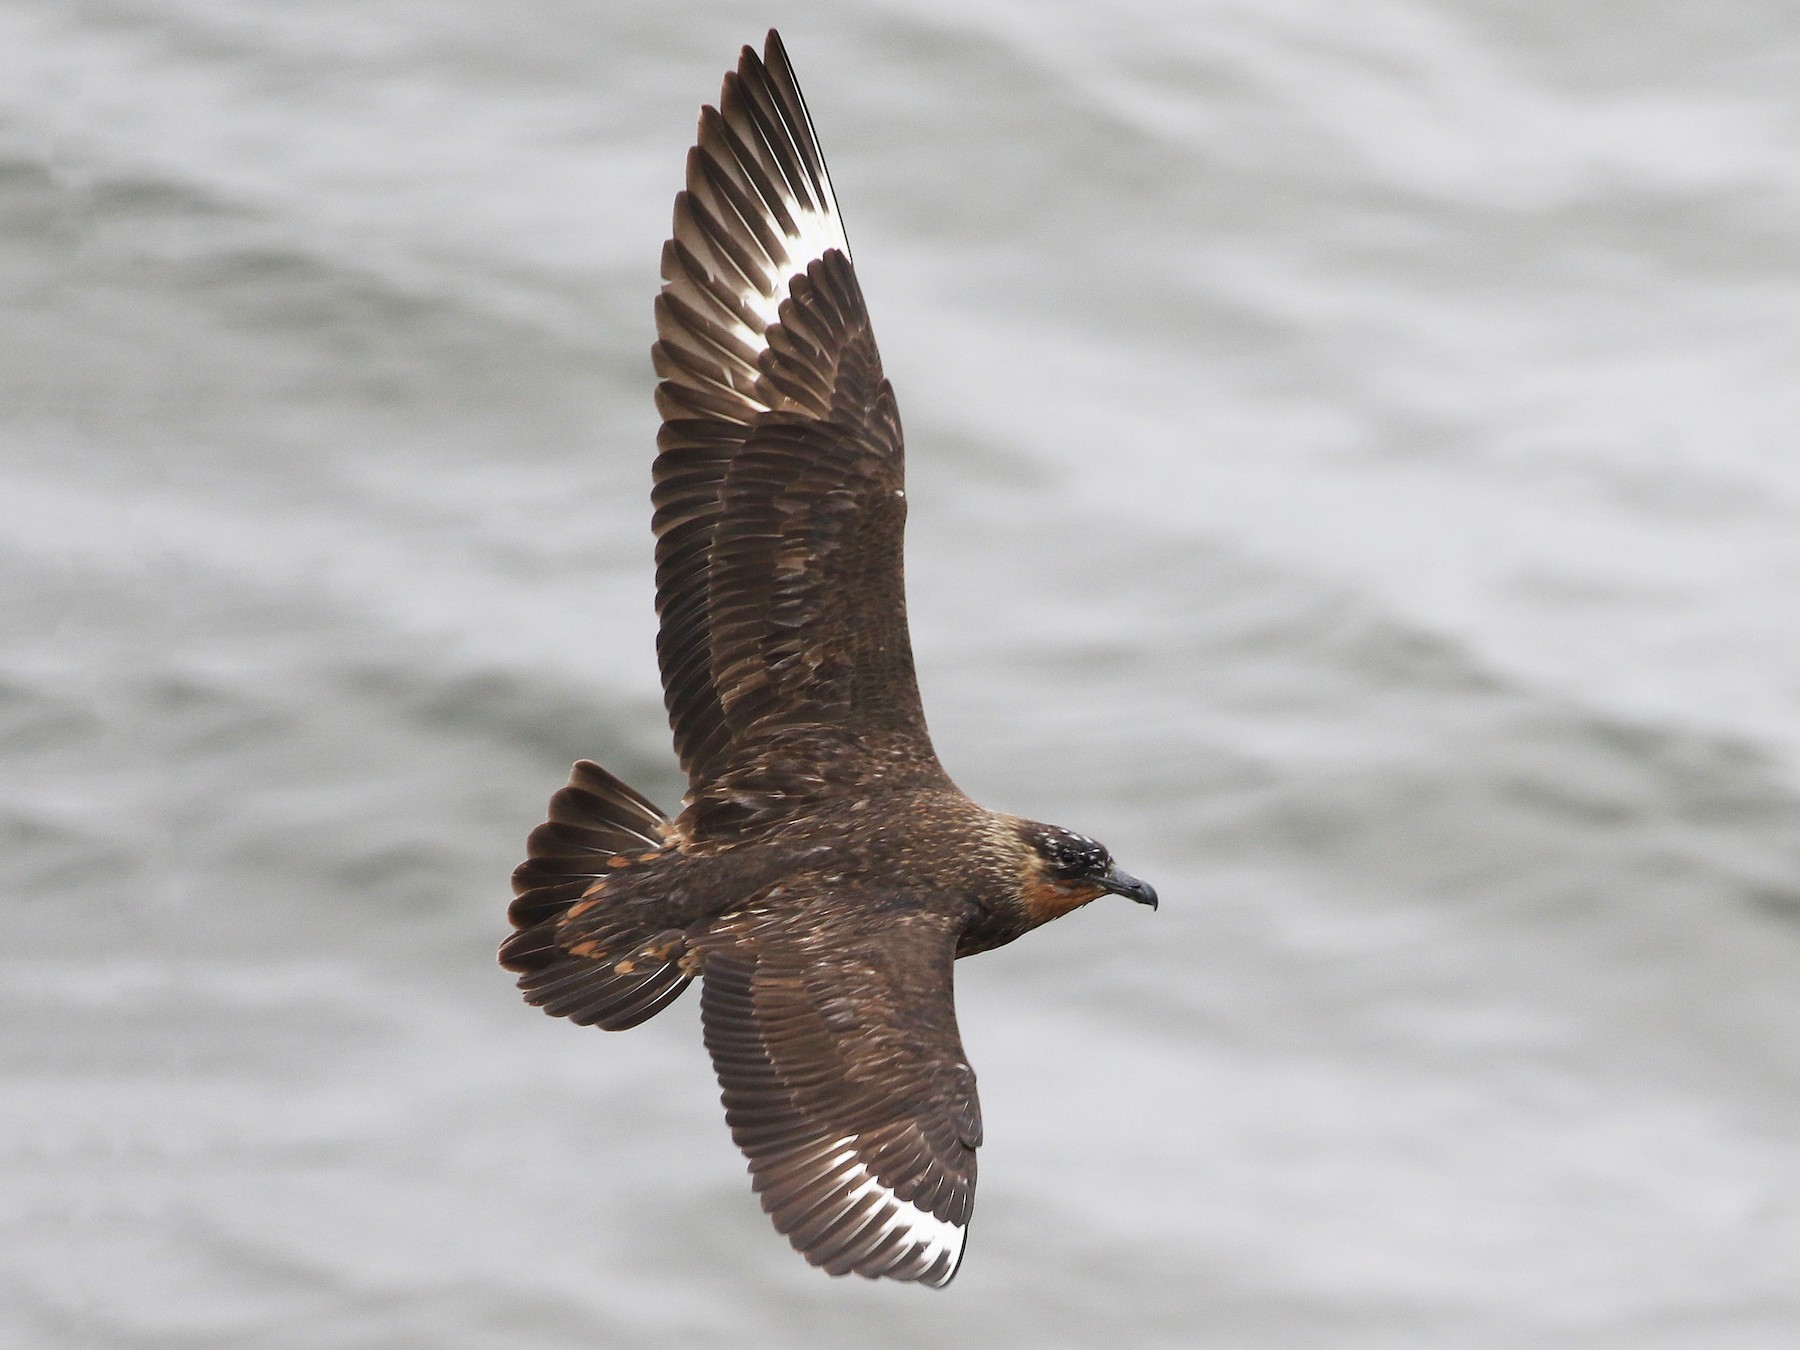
(577, 956)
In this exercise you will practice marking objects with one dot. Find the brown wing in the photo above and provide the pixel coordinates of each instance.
(846, 1086)
(779, 479)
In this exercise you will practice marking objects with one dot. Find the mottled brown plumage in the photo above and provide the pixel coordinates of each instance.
(825, 873)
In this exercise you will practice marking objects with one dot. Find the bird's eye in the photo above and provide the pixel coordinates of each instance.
(1071, 856)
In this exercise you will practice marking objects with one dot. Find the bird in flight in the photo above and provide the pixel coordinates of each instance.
(825, 872)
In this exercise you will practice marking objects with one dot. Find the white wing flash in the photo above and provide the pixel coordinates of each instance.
(928, 1249)
(758, 211)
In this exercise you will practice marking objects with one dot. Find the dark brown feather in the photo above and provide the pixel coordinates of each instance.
(567, 949)
(837, 1049)
(779, 492)
(825, 873)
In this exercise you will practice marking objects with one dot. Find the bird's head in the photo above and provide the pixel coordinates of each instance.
(1064, 870)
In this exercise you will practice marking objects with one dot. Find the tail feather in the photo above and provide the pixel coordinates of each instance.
(599, 967)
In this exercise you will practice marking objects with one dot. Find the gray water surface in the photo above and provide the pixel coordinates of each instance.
(1352, 473)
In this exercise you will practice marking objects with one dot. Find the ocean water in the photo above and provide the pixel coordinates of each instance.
(1352, 472)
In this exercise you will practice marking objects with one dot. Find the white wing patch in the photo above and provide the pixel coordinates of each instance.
(814, 233)
(759, 210)
(929, 1239)
(816, 229)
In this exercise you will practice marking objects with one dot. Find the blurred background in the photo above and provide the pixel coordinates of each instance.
(1352, 472)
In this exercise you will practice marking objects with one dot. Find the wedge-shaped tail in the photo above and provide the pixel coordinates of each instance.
(578, 955)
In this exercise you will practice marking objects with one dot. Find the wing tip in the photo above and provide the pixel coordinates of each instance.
(758, 209)
(858, 1225)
